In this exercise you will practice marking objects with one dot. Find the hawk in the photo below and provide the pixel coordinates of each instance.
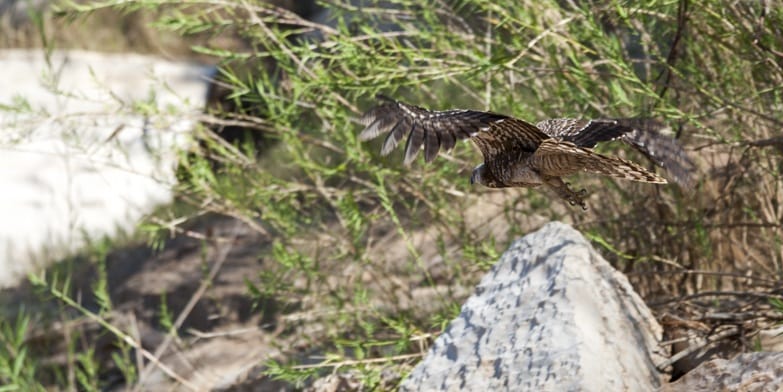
(519, 154)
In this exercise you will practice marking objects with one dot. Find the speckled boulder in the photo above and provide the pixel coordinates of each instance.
(756, 372)
(551, 315)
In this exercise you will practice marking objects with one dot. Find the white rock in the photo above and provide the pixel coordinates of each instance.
(77, 158)
(551, 315)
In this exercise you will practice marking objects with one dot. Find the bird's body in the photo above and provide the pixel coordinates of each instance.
(519, 154)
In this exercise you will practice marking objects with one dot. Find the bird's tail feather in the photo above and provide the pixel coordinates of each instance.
(560, 158)
(620, 168)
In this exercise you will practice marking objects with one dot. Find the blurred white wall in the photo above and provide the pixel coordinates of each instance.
(87, 147)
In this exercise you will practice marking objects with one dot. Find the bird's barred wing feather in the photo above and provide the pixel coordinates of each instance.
(642, 134)
(561, 158)
(509, 137)
(587, 133)
(493, 133)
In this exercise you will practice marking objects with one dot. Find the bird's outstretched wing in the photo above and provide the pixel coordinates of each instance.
(493, 133)
(642, 134)
(587, 133)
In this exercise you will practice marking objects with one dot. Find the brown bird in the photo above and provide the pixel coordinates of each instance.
(519, 154)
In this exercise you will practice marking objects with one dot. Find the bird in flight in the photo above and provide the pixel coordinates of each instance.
(519, 154)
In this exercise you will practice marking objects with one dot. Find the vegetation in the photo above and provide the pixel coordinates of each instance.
(365, 260)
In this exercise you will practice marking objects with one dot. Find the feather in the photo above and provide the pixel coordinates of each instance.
(395, 135)
(373, 130)
(559, 158)
(597, 131)
(584, 133)
(412, 146)
(431, 145)
(447, 140)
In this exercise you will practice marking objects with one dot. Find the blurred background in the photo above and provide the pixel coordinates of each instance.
(185, 204)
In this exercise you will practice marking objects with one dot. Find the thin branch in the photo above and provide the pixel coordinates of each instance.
(729, 332)
(359, 361)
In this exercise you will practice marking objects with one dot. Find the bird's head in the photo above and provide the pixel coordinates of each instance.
(478, 175)
(484, 177)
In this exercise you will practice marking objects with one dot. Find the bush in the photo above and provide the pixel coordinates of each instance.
(379, 255)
